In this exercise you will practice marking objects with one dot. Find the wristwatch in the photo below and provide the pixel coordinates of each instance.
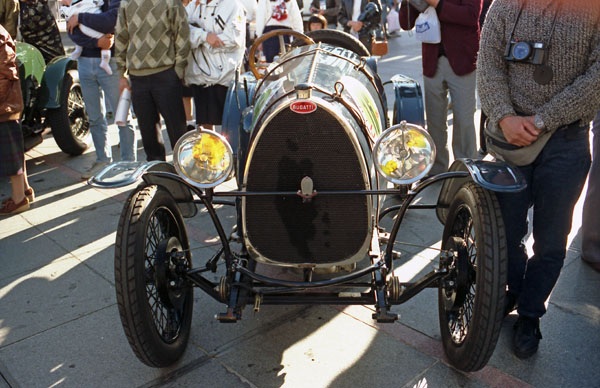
(538, 122)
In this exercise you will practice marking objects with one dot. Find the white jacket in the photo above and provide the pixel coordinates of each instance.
(207, 65)
(278, 13)
(250, 6)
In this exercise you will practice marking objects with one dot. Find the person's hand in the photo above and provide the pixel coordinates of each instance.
(65, 2)
(313, 9)
(106, 41)
(123, 84)
(519, 130)
(72, 23)
(321, 12)
(355, 25)
(433, 3)
(214, 40)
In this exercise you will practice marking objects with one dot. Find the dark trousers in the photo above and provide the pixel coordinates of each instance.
(590, 225)
(155, 94)
(271, 46)
(554, 182)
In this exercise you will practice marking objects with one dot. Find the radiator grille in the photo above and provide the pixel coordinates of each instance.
(328, 229)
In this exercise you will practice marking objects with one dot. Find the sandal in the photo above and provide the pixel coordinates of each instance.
(10, 207)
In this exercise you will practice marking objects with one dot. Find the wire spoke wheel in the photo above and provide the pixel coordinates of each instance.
(167, 316)
(77, 117)
(155, 303)
(472, 295)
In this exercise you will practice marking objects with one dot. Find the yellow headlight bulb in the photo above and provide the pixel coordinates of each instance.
(209, 149)
(390, 166)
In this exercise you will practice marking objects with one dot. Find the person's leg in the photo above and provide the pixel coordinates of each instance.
(77, 52)
(18, 187)
(436, 108)
(590, 226)
(167, 94)
(88, 72)
(105, 61)
(514, 208)
(12, 164)
(558, 179)
(464, 137)
(147, 117)
(110, 86)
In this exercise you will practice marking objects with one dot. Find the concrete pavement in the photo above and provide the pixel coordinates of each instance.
(59, 324)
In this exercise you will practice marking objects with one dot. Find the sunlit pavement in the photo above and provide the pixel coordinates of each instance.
(59, 324)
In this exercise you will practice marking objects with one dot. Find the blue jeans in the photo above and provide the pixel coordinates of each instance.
(92, 78)
(554, 182)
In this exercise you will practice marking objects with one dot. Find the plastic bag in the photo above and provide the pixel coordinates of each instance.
(393, 21)
(427, 27)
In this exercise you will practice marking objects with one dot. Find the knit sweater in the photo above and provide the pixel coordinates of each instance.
(508, 88)
(151, 36)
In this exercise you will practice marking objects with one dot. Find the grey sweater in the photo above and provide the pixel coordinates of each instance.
(574, 56)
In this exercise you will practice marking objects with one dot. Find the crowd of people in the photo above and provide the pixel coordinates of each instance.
(534, 64)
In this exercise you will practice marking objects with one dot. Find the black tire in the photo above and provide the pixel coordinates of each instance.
(69, 122)
(158, 333)
(470, 309)
(340, 39)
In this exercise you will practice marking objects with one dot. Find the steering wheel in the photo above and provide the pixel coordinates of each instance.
(281, 33)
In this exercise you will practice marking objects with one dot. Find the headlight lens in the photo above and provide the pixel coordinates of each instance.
(404, 153)
(203, 158)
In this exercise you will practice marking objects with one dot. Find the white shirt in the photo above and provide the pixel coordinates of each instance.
(355, 14)
(266, 14)
(356, 9)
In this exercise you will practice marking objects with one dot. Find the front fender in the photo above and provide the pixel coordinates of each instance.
(494, 176)
(52, 82)
(121, 174)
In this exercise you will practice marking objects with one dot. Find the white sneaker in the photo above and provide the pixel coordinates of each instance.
(93, 170)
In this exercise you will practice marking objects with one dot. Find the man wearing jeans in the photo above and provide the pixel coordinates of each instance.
(538, 68)
(93, 78)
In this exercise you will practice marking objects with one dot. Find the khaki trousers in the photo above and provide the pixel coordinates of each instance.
(462, 93)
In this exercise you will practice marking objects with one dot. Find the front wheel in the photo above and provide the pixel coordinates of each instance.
(471, 297)
(69, 123)
(151, 256)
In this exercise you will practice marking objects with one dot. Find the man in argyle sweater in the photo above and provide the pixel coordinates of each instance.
(152, 43)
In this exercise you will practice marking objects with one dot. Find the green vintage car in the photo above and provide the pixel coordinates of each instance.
(52, 98)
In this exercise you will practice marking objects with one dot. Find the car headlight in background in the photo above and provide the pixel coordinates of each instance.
(203, 158)
(404, 153)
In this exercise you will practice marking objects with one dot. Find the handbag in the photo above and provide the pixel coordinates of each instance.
(427, 27)
(393, 21)
(379, 47)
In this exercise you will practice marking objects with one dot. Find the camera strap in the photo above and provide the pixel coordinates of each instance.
(543, 74)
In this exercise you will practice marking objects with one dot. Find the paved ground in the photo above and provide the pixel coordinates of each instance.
(59, 325)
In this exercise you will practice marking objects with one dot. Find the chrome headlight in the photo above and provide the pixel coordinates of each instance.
(203, 158)
(404, 153)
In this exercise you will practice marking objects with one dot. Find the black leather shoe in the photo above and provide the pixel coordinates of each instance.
(526, 337)
(511, 302)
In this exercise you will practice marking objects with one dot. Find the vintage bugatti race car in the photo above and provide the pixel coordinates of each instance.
(52, 98)
(309, 148)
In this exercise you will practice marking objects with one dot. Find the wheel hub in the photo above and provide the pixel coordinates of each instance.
(456, 285)
(170, 285)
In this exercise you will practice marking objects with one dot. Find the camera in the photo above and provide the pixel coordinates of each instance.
(370, 17)
(526, 52)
